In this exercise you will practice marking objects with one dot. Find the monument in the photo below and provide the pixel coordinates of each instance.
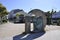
(27, 24)
(38, 18)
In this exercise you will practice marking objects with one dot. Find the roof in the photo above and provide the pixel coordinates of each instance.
(15, 10)
(12, 13)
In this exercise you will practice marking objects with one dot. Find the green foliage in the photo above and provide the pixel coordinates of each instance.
(49, 16)
(17, 15)
(3, 11)
(52, 12)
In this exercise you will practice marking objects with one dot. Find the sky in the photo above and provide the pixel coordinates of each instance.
(27, 5)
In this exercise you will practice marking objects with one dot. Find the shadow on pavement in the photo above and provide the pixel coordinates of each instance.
(29, 36)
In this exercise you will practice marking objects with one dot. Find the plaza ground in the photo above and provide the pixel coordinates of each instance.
(10, 30)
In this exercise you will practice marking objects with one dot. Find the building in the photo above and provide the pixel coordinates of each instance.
(16, 15)
(56, 18)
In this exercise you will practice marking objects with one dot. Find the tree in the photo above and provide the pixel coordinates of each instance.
(48, 17)
(48, 14)
(3, 11)
(55, 12)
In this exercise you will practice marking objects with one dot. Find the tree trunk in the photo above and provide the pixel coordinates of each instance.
(0, 20)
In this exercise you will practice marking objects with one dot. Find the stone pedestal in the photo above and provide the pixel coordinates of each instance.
(27, 24)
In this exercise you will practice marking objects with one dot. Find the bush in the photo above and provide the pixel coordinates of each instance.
(4, 21)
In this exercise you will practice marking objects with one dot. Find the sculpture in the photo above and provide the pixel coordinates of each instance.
(39, 21)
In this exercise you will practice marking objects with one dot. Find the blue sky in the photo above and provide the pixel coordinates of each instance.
(28, 5)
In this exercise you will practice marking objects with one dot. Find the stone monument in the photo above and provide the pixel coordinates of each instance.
(27, 24)
(39, 20)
